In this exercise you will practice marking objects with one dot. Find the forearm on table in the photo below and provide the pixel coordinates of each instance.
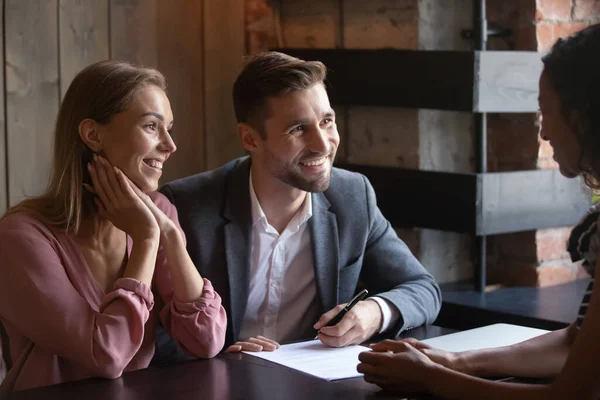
(542, 356)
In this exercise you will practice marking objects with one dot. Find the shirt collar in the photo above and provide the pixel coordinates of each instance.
(302, 215)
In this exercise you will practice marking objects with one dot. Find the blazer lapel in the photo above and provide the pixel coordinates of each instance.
(237, 242)
(325, 244)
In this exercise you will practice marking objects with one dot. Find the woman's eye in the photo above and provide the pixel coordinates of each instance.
(298, 129)
(151, 126)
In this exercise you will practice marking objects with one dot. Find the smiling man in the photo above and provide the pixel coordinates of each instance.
(284, 236)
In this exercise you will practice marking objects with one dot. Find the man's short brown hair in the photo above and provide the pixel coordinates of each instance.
(271, 74)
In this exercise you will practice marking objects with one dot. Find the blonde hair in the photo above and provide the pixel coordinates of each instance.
(99, 92)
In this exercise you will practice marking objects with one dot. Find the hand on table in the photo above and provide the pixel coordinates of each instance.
(259, 343)
(358, 325)
(404, 370)
(442, 357)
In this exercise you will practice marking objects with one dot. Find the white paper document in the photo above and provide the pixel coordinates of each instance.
(496, 335)
(316, 359)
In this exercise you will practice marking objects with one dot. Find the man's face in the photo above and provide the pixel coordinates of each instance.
(300, 139)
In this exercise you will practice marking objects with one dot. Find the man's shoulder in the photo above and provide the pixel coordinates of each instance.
(346, 186)
(209, 181)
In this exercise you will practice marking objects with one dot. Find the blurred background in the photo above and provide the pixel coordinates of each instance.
(200, 44)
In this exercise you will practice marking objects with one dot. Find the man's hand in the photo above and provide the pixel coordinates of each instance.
(259, 343)
(358, 325)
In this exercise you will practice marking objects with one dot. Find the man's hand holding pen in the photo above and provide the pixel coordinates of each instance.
(358, 324)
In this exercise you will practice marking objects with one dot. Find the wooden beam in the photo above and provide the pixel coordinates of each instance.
(528, 200)
(480, 204)
(224, 50)
(410, 198)
(441, 80)
(32, 93)
(507, 81)
(3, 182)
(83, 36)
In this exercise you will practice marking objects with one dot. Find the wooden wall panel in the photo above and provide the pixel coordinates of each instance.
(379, 135)
(310, 24)
(32, 93)
(224, 49)
(180, 60)
(133, 31)
(3, 183)
(83, 36)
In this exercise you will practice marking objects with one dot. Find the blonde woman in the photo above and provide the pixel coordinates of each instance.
(90, 267)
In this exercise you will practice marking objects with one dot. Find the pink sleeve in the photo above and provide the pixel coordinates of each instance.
(198, 327)
(37, 297)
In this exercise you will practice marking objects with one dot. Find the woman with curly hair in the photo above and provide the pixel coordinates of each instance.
(569, 98)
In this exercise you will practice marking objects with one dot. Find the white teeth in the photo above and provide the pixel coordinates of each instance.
(314, 163)
(154, 163)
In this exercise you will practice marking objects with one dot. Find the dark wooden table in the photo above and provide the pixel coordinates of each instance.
(228, 376)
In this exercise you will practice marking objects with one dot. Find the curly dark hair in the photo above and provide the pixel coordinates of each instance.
(573, 69)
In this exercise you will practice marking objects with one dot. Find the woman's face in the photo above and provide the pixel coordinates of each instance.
(556, 129)
(138, 140)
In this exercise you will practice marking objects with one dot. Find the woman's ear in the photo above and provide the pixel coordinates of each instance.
(88, 132)
(248, 136)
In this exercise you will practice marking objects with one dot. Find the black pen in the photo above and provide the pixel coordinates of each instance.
(335, 320)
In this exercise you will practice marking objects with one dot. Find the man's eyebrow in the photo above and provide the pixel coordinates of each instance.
(297, 122)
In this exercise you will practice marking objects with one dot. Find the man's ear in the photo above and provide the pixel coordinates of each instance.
(249, 137)
(88, 132)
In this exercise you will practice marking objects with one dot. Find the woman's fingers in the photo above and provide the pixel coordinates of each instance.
(266, 344)
(103, 182)
(268, 340)
(98, 187)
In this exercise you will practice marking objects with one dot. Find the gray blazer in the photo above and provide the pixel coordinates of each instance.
(351, 241)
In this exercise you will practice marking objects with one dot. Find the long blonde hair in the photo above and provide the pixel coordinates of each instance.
(99, 92)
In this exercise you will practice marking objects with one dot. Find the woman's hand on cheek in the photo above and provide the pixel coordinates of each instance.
(117, 201)
(165, 223)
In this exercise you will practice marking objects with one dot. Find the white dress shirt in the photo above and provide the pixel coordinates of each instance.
(282, 293)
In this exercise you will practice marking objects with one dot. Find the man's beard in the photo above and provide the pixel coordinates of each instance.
(294, 177)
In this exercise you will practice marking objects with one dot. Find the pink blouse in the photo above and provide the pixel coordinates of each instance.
(62, 326)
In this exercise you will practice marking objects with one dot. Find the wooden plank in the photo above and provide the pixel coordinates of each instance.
(377, 24)
(133, 31)
(507, 81)
(32, 93)
(383, 136)
(180, 59)
(3, 182)
(438, 79)
(436, 200)
(224, 27)
(481, 204)
(310, 23)
(528, 200)
(83, 36)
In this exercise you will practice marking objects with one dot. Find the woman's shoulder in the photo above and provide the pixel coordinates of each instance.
(21, 222)
(584, 240)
